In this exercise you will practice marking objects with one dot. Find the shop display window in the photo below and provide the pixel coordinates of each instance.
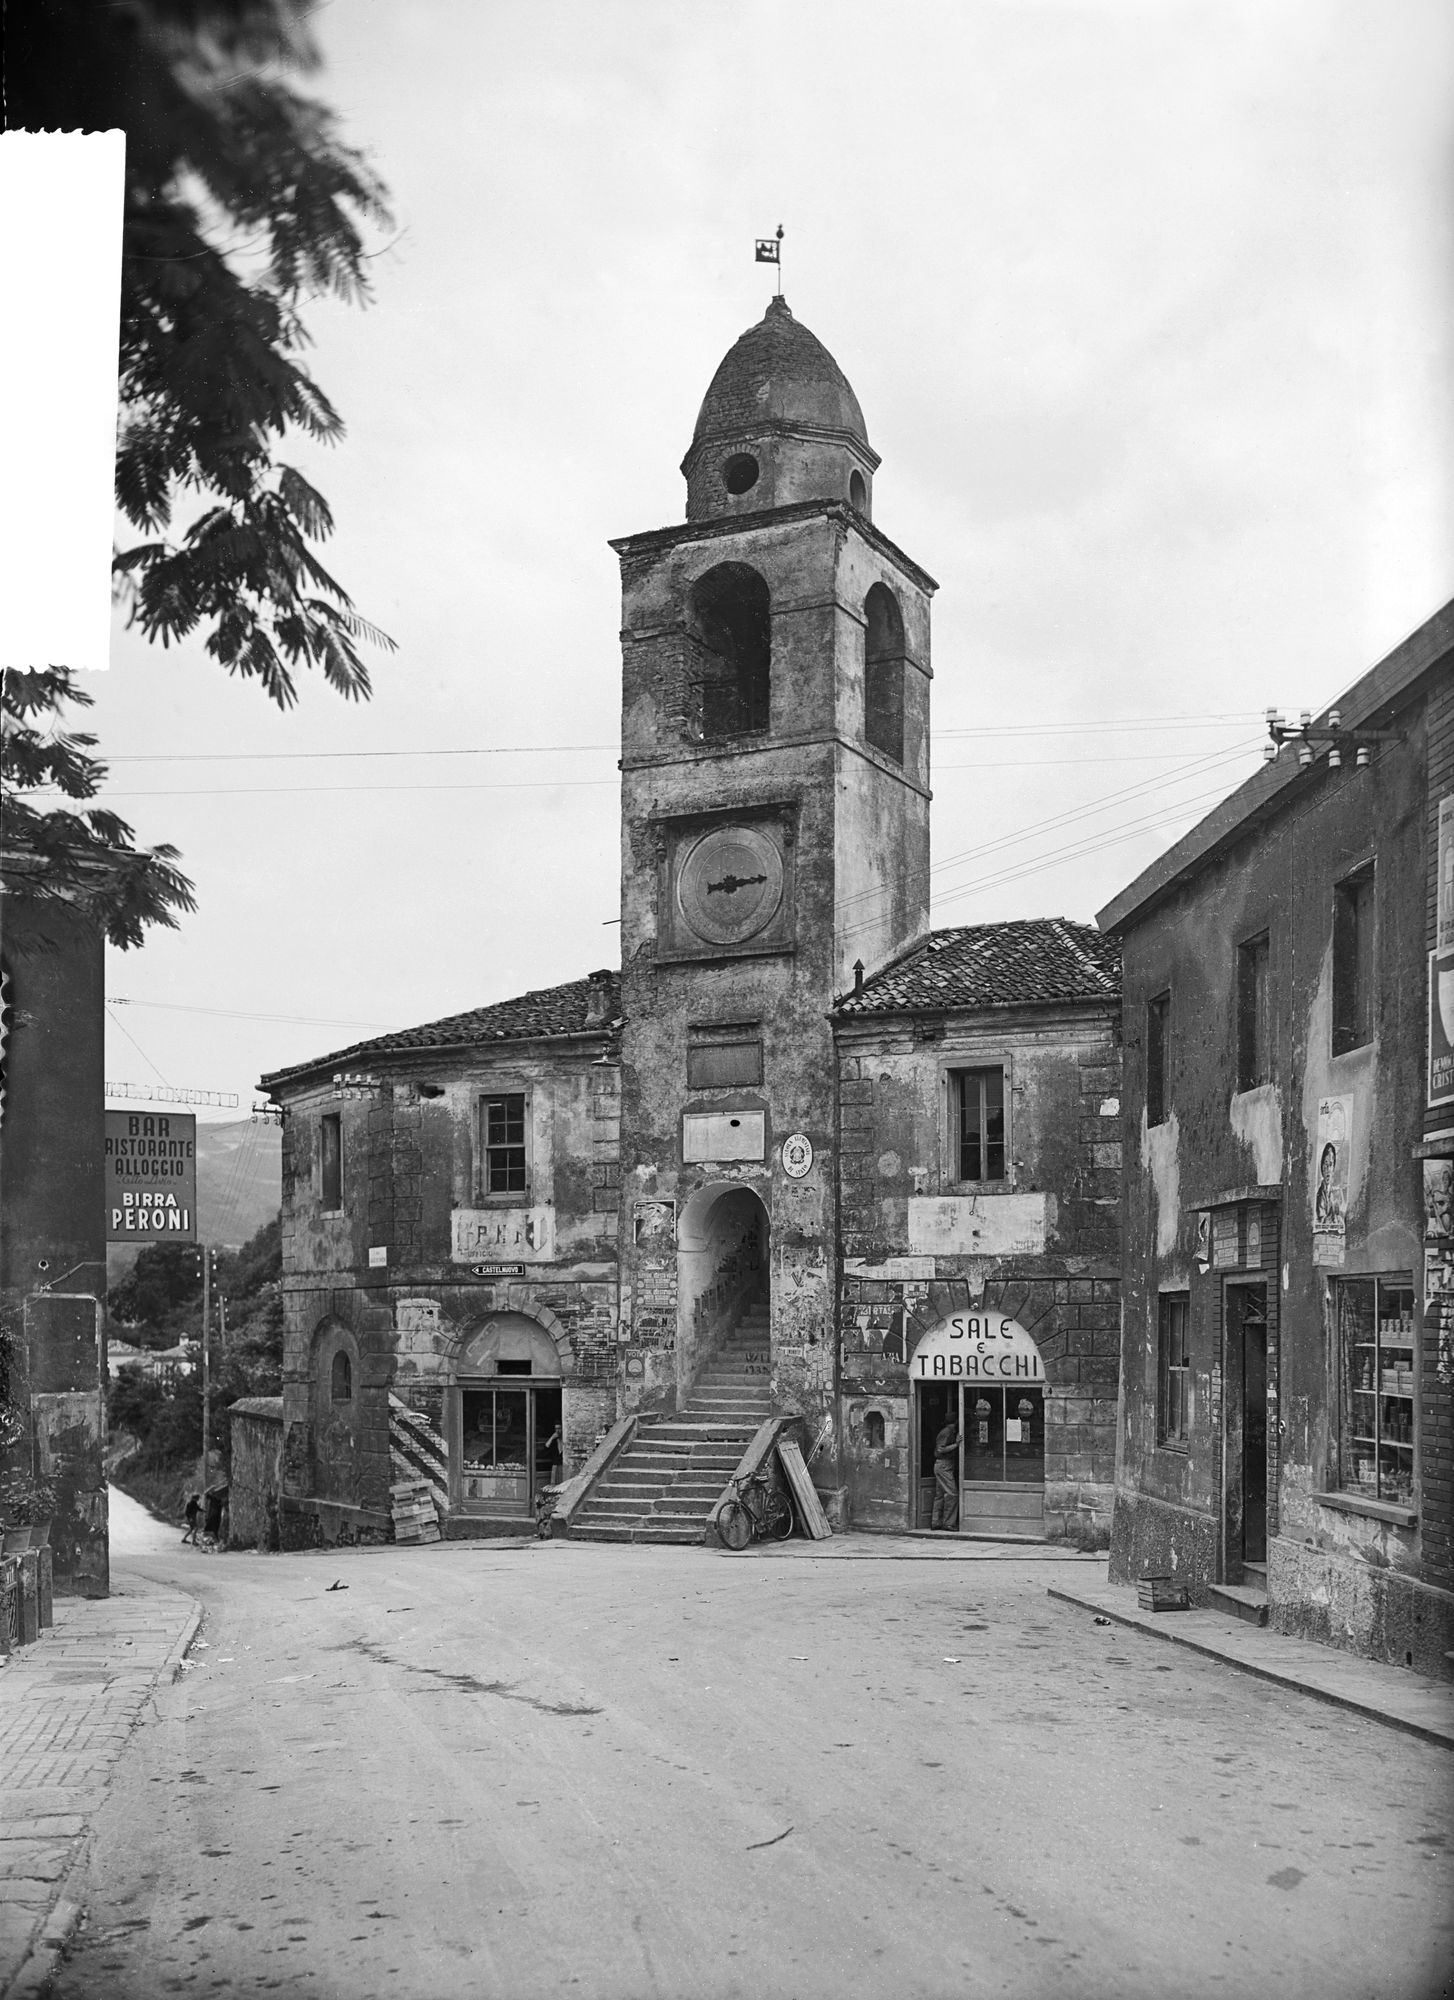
(1004, 1432)
(1374, 1324)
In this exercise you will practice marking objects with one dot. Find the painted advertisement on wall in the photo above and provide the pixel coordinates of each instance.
(151, 1177)
(1330, 1180)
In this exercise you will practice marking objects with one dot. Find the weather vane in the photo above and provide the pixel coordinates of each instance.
(770, 251)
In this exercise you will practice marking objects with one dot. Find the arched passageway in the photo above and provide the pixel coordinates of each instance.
(723, 1238)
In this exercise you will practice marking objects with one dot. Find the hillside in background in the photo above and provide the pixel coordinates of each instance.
(239, 1178)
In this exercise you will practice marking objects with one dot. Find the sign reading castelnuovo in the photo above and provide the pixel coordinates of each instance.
(151, 1177)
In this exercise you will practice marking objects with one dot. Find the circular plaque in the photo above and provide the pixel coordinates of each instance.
(797, 1155)
(730, 884)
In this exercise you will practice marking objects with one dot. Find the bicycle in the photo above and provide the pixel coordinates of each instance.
(755, 1510)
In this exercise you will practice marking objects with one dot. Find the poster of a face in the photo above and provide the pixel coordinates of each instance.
(1330, 1180)
(655, 1224)
(1439, 1198)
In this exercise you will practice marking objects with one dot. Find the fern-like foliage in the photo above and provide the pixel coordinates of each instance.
(241, 201)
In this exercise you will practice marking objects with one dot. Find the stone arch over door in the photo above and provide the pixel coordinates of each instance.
(336, 1419)
(517, 1332)
(724, 1240)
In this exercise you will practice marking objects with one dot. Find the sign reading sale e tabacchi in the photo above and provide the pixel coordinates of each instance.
(151, 1177)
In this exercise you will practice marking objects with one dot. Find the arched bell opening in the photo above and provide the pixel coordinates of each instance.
(883, 674)
(979, 1391)
(723, 1274)
(505, 1416)
(729, 629)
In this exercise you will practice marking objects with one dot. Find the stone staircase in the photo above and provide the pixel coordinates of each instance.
(1247, 1599)
(671, 1475)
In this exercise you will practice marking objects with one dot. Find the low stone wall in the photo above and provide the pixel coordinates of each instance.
(1343, 1601)
(257, 1472)
(1150, 1537)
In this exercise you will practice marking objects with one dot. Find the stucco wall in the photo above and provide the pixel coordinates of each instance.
(256, 1476)
(1174, 1506)
(1042, 1247)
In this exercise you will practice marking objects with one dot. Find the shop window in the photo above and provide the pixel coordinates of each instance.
(1254, 1048)
(1158, 1059)
(1374, 1326)
(873, 1430)
(331, 1158)
(883, 680)
(1173, 1371)
(1353, 962)
(342, 1384)
(979, 1113)
(502, 1143)
(730, 624)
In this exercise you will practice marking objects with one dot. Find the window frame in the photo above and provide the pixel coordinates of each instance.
(1175, 1386)
(507, 1195)
(957, 1076)
(1355, 932)
(1395, 1483)
(330, 1170)
(1158, 1057)
(1254, 1011)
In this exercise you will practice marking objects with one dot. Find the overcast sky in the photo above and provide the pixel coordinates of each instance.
(1147, 307)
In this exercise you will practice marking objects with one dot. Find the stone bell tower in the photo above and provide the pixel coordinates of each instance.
(775, 829)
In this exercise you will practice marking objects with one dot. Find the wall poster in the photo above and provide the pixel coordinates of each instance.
(1441, 1026)
(1330, 1181)
(1439, 1198)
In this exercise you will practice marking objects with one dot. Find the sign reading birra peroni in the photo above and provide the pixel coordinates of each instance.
(151, 1177)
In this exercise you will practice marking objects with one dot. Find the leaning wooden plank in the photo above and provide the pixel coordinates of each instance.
(810, 1508)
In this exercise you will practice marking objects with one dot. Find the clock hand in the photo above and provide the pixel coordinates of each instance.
(732, 883)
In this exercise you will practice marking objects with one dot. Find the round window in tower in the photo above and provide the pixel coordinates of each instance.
(739, 474)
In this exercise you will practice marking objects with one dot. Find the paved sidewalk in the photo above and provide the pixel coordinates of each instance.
(1393, 1695)
(67, 1706)
(856, 1546)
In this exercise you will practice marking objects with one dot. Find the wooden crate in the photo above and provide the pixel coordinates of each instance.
(1161, 1593)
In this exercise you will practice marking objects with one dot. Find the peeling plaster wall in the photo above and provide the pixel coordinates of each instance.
(410, 1168)
(1045, 1247)
(1329, 1573)
(840, 812)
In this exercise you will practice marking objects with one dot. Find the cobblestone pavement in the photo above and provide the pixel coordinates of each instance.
(68, 1704)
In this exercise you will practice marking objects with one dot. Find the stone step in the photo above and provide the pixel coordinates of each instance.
(599, 1531)
(1243, 1600)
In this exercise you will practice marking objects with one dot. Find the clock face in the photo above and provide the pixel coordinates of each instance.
(730, 884)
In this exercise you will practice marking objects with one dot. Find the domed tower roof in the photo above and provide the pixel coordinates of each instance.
(779, 425)
(780, 372)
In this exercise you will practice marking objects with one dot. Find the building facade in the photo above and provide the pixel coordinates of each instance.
(52, 1217)
(1286, 1359)
(664, 1203)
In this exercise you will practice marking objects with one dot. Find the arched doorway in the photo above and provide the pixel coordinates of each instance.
(504, 1417)
(337, 1413)
(979, 1375)
(723, 1263)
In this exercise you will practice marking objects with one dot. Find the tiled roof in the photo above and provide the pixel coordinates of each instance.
(780, 372)
(1046, 959)
(552, 1010)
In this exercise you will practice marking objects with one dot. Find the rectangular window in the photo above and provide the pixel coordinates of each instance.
(1254, 1050)
(1173, 1372)
(1158, 1054)
(331, 1155)
(502, 1143)
(1374, 1323)
(1353, 962)
(980, 1117)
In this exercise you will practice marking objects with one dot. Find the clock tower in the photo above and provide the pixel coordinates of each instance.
(775, 832)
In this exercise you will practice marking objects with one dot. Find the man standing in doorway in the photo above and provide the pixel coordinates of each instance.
(946, 1479)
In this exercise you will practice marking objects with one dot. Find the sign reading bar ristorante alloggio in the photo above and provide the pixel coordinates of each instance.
(977, 1347)
(151, 1177)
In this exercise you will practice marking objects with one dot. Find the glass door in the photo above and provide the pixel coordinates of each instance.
(496, 1448)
